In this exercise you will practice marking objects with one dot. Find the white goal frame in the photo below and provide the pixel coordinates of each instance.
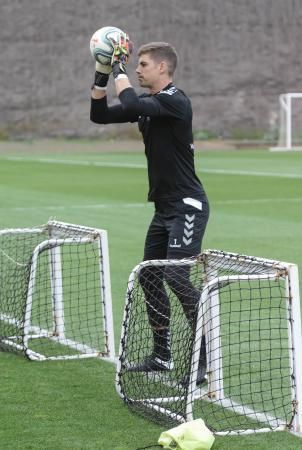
(215, 370)
(214, 390)
(285, 141)
(53, 246)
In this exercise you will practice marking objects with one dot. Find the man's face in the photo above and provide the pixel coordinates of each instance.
(148, 71)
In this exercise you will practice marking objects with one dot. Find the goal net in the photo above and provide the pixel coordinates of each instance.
(290, 122)
(248, 315)
(55, 295)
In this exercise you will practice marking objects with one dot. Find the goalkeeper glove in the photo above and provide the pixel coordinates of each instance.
(101, 76)
(121, 52)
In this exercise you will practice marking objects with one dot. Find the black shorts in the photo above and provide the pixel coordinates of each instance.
(176, 230)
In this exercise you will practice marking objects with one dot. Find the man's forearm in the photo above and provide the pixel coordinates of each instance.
(121, 83)
(98, 94)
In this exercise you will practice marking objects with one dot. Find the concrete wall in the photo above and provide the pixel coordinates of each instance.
(236, 57)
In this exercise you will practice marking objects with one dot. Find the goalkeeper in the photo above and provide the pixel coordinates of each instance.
(164, 117)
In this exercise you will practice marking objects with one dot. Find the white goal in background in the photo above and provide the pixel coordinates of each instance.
(55, 293)
(249, 314)
(290, 122)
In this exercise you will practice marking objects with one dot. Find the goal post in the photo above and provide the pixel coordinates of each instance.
(290, 122)
(249, 314)
(55, 292)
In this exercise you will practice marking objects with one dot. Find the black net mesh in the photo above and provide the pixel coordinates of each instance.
(52, 292)
(241, 336)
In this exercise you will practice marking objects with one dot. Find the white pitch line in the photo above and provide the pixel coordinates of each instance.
(142, 205)
(66, 207)
(257, 200)
(73, 162)
(253, 173)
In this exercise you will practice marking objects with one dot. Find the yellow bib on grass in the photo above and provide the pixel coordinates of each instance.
(192, 435)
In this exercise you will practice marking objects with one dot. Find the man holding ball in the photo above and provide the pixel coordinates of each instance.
(164, 117)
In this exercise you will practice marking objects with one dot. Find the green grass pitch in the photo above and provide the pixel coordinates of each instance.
(256, 209)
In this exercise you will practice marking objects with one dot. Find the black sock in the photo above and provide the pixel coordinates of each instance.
(203, 353)
(162, 348)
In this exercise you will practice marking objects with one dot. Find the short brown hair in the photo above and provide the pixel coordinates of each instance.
(161, 51)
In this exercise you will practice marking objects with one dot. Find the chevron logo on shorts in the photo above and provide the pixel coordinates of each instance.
(188, 229)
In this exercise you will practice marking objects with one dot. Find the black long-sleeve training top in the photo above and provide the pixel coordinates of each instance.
(165, 121)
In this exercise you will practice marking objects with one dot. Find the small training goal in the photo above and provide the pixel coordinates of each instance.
(55, 294)
(249, 315)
